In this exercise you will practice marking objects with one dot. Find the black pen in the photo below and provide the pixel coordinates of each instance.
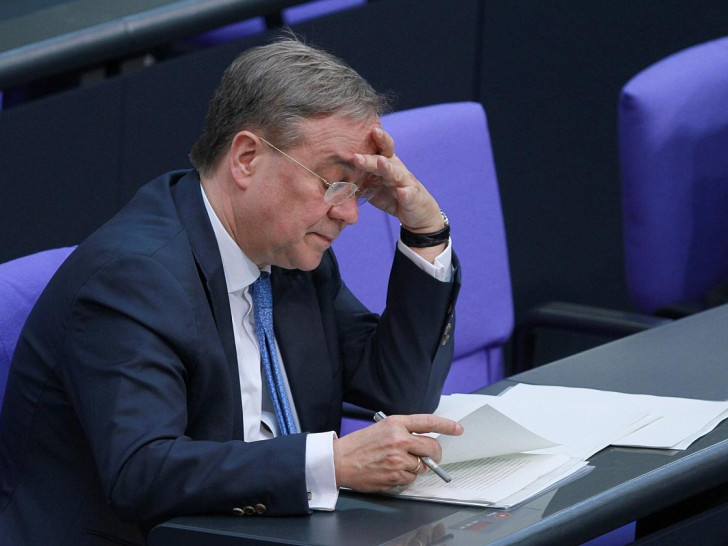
(429, 462)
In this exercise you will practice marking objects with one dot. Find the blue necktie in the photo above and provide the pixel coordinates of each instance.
(263, 309)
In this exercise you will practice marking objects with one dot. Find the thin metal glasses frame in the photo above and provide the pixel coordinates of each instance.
(333, 195)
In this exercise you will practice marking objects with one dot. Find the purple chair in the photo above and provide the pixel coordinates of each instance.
(258, 25)
(317, 8)
(21, 282)
(227, 33)
(447, 146)
(673, 153)
(673, 142)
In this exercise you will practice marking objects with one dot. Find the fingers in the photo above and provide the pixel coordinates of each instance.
(419, 445)
(383, 163)
(383, 141)
(398, 436)
(418, 466)
(374, 459)
(387, 454)
(398, 191)
(425, 422)
(390, 170)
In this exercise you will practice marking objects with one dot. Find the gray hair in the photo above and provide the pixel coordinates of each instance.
(272, 88)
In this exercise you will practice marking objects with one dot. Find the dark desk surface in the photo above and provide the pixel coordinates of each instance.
(40, 38)
(688, 358)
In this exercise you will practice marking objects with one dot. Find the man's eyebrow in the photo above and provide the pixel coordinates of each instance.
(340, 161)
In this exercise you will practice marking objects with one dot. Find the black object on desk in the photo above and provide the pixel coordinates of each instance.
(687, 358)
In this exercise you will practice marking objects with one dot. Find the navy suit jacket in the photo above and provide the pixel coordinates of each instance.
(123, 401)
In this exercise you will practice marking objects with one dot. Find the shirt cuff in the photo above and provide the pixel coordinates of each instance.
(440, 270)
(320, 472)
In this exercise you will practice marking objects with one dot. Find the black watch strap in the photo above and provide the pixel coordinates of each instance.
(423, 240)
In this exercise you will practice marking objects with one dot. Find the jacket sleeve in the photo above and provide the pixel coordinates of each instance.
(134, 357)
(398, 363)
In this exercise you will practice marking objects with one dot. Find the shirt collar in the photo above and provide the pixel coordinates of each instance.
(240, 271)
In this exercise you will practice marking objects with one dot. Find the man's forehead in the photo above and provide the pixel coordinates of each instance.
(337, 129)
(334, 140)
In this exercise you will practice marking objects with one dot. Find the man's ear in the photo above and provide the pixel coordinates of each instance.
(244, 150)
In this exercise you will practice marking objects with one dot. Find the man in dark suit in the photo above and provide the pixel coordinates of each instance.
(136, 392)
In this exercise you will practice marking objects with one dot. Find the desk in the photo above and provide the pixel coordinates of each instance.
(687, 358)
(40, 38)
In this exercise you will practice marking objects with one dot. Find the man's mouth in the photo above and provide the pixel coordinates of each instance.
(329, 240)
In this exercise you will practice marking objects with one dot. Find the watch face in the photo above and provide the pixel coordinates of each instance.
(445, 219)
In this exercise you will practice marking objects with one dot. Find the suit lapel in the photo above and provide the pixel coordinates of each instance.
(193, 216)
(297, 315)
(305, 352)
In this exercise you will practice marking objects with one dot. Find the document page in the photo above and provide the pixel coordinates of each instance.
(486, 481)
(487, 462)
(574, 420)
(489, 433)
(531, 438)
(675, 422)
(575, 430)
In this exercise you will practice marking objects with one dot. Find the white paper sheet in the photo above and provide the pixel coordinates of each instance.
(531, 438)
(577, 434)
(555, 411)
(487, 481)
(489, 433)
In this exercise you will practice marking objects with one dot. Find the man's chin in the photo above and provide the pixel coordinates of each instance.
(307, 263)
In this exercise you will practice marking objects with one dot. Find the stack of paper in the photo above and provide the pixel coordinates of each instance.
(533, 438)
(675, 423)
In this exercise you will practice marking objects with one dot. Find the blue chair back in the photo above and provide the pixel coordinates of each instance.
(673, 139)
(228, 33)
(257, 25)
(316, 8)
(447, 146)
(21, 282)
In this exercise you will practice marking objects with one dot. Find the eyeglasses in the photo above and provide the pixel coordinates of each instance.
(336, 192)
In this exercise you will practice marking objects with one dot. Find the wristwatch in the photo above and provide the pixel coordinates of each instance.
(423, 240)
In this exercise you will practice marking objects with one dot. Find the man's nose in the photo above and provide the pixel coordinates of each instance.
(348, 211)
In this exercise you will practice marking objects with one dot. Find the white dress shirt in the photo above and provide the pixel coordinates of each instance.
(259, 420)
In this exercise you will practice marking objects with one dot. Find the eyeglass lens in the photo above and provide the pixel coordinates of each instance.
(338, 192)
